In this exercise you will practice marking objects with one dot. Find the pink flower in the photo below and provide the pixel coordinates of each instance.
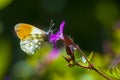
(58, 35)
(53, 38)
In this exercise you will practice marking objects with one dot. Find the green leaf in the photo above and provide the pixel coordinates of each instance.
(113, 72)
(5, 56)
(90, 57)
(83, 61)
(4, 3)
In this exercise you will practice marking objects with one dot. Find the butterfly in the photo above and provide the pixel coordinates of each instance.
(31, 37)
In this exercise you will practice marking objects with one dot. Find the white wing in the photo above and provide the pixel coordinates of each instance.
(33, 43)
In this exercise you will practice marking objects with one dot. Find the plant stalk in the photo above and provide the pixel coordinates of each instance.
(91, 66)
(96, 70)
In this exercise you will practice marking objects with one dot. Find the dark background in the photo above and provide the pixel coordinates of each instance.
(81, 17)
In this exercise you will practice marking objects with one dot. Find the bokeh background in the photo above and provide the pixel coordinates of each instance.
(93, 24)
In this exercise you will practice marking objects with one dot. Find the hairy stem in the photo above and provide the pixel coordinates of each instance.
(91, 66)
(96, 70)
(81, 52)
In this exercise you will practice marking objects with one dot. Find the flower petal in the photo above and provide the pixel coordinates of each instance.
(54, 54)
(58, 35)
(62, 27)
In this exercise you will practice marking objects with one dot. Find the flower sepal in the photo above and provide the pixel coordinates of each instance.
(71, 63)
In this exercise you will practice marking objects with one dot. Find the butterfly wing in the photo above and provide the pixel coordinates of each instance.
(31, 37)
(32, 43)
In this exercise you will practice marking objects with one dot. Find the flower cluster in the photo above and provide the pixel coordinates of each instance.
(53, 38)
(69, 45)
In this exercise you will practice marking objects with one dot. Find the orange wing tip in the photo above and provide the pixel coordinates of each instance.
(23, 30)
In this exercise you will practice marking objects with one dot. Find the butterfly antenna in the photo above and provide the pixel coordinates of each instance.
(50, 28)
(51, 24)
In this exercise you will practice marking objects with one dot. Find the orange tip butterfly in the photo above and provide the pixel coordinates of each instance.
(31, 37)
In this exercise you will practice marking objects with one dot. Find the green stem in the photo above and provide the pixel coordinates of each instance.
(96, 70)
(91, 66)
(81, 52)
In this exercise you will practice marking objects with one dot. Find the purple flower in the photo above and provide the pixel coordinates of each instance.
(54, 54)
(53, 38)
(58, 36)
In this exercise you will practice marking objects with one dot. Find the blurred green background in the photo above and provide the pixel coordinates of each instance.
(93, 24)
